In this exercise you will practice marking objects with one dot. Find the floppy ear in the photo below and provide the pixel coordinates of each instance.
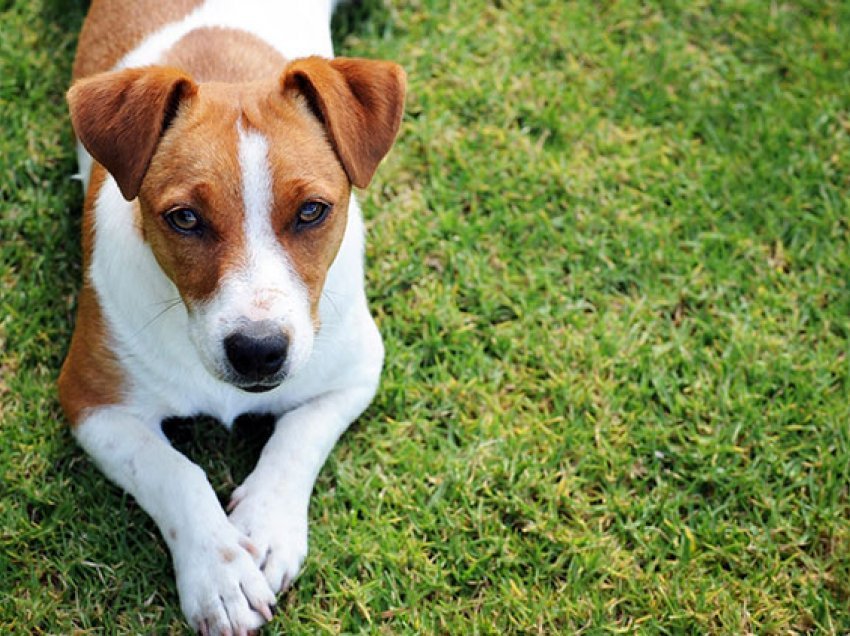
(360, 103)
(120, 116)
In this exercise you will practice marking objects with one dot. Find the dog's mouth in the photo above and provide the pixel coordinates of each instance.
(255, 385)
(258, 388)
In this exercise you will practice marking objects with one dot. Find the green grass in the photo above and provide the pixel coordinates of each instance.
(609, 256)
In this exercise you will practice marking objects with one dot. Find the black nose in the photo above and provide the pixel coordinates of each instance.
(257, 350)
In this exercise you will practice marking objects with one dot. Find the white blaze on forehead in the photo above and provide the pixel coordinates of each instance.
(263, 256)
(265, 272)
(256, 182)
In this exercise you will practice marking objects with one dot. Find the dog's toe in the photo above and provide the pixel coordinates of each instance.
(280, 536)
(222, 591)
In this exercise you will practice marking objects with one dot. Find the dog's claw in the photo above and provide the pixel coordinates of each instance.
(266, 612)
(285, 584)
(263, 609)
(235, 498)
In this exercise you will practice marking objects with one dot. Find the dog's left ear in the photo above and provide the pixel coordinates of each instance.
(360, 103)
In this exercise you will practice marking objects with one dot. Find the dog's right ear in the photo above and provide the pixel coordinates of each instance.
(120, 117)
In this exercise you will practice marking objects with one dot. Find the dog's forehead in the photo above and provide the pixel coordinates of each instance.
(209, 128)
(217, 110)
(236, 97)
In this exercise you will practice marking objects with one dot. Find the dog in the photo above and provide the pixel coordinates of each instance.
(218, 143)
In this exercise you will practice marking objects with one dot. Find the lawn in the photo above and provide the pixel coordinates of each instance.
(610, 257)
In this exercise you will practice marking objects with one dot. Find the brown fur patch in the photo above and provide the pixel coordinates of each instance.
(91, 376)
(216, 54)
(113, 28)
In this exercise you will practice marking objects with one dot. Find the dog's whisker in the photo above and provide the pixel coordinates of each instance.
(329, 297)
(167, 301)
(171, 304)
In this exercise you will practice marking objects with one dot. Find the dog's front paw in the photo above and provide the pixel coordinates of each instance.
(276, 528)
(222, 591)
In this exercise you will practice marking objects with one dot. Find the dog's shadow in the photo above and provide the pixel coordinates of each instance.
(227, 456)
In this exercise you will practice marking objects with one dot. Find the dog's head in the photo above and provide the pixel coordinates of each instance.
(243, 191)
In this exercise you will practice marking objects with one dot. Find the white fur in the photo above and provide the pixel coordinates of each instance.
(224, 579)
(296, 28)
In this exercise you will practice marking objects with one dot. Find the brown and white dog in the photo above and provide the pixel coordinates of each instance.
(223, 259)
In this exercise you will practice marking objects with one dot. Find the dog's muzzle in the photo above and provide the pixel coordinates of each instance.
(257, 354)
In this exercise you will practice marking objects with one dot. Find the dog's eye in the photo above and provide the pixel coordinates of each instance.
(184, 220)
(313, 212)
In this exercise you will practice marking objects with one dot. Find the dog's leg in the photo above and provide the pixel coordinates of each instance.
(221, 589)
(271, 505)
